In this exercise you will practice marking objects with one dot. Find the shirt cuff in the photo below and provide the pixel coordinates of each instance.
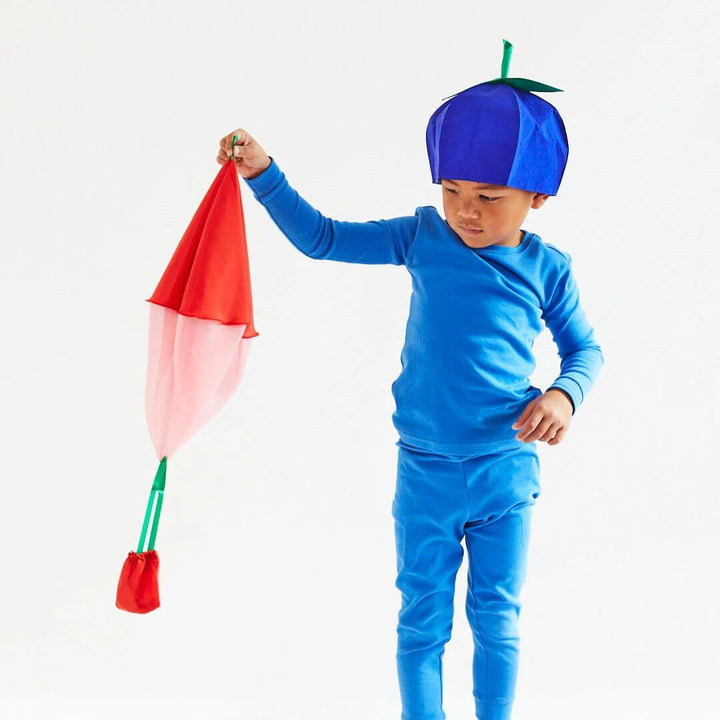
(572, 388)
(266, 181)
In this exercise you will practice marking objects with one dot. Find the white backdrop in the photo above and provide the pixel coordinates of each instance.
(276, 538)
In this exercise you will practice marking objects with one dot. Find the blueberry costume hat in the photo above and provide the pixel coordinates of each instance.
(499, 132)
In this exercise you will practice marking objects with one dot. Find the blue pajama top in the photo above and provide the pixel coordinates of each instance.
(474, 316)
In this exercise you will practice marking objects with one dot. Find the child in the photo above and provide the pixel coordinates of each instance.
(467, 417)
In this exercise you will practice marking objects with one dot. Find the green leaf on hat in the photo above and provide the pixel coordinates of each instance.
(525, 84)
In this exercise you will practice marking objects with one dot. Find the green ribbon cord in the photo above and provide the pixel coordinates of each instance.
(232, 151)
(158, 488)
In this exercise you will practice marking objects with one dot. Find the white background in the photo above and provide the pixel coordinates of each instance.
(276, 538)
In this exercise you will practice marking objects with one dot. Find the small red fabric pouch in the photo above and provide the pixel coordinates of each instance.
(138, 589)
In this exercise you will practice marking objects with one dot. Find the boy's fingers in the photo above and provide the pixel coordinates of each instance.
(530, 424)
(243, 140)
(242, 137)
(521, 417)
(524, 415)
(539, 430)
(549, 433)
(228, 151)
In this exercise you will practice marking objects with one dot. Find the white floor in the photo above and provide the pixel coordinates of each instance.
(138, 707)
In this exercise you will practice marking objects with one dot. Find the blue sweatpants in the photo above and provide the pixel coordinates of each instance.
(439, 499)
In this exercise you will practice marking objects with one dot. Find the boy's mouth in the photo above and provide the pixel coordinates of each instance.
(471, 231)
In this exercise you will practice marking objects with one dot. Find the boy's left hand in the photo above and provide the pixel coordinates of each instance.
(546, 418)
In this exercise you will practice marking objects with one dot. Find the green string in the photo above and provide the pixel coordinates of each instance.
(158, 488)
(507, 53)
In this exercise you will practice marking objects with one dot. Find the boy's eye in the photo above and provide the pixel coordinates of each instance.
(484, 197)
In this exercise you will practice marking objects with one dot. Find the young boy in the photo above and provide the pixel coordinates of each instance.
(467, 417)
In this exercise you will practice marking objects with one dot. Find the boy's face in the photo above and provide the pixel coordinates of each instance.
(497, 211)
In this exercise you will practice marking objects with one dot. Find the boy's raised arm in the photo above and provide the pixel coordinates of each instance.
(581, 356)
(322, 238)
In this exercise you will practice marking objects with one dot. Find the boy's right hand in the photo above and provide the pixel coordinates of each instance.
(250, 158)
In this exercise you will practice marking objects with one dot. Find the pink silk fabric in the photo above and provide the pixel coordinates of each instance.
(194, 366)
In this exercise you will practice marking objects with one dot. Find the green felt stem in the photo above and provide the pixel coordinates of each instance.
(519, 83)
(507, 54)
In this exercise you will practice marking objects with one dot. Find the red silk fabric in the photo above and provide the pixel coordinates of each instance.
(138, 589)
(209, 275)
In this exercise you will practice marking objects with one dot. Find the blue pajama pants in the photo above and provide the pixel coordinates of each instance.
(439, 499)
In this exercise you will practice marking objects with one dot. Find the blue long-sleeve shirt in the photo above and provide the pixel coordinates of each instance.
(474, 316)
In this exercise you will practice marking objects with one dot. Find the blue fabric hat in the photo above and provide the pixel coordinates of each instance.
(499, 132)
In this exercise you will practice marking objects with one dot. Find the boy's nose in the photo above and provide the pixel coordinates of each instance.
(468, 210)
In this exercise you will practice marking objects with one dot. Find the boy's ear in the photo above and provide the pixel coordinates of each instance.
(539, 200)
